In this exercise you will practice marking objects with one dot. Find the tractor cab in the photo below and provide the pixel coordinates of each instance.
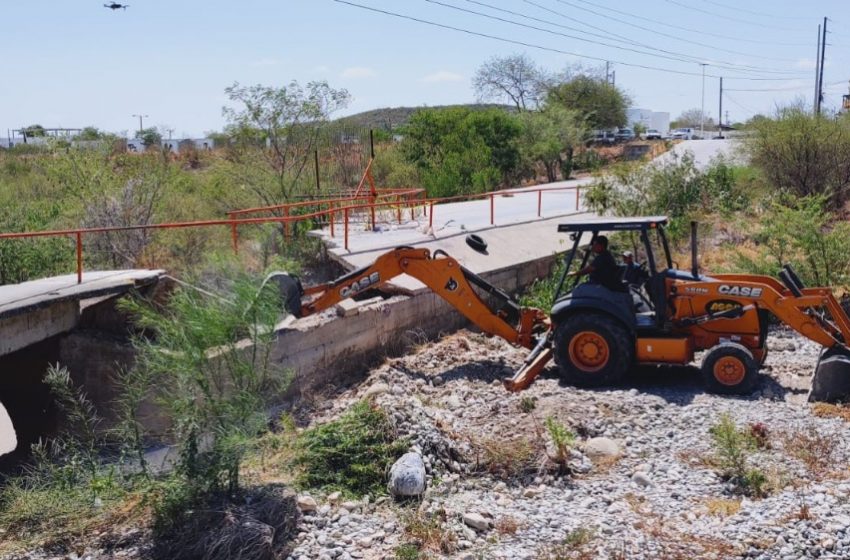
(638, 306)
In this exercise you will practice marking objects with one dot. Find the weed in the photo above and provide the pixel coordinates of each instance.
(429, 532)
(406, 552)
(722, 507)
(351, 454)
(527, 404)
(563, 441)
(573, 547)
(829, 410)
(507, 525)
(813, 448)
(760, 435)
(508, 459)
(731, 447)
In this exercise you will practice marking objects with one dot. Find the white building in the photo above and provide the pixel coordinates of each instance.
(648, 119)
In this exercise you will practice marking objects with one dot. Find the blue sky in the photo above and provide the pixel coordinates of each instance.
(72, 63)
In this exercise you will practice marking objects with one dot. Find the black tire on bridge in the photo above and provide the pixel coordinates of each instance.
(593, 349)
(729, 369)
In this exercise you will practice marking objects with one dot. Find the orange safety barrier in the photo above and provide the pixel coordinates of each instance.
(287, 218)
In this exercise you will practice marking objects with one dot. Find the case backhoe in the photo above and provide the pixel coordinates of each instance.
(595, 334)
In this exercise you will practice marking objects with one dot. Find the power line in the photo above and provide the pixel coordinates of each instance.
(740, 9)
(683, 28)
(784, 89)
(721, 16)
(663, 34)
(629, 49)
(535, 46)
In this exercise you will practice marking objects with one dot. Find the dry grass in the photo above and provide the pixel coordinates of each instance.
(575, 546)
(813, 448)
(828, 410)
(722, 507)
(507, 525)
(507, 459)
(429, 532)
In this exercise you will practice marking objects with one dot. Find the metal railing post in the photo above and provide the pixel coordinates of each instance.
(79, 257)
(539, 202)
(578, 190)
(345, 221)
(431, 215)
(332, 223)
(492, 212)
(286, 223)
(234, 236)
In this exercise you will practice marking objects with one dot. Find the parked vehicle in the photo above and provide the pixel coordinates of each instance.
(625, 135)
(686, 134)
(652, 134)
(603, 137)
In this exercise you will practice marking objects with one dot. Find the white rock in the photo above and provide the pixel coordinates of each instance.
(334, 497)
(307, 504)
(601, 447)
(641, 479)
(407, 476)
(476, 521)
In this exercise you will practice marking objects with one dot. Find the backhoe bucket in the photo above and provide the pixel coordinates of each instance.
(831, 382)
(290, 290)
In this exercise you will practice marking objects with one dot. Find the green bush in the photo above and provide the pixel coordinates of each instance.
(541, 294)
(732, 446)
(803, 154)
(351, 454)
(804, 234)
(677, 189)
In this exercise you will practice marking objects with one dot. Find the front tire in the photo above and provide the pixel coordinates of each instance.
(729, 369)
(593, 350)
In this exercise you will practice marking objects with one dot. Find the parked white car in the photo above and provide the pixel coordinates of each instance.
(652, 134)
(685, 134)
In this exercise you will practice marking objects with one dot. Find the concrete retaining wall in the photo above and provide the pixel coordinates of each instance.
(324, 353)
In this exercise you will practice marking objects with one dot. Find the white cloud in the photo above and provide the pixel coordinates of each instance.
(358, 72)
(265, 62)
(442, 76)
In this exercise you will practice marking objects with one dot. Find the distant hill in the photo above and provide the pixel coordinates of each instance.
(390, 118)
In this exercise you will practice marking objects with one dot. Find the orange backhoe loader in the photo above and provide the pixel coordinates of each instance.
(596, 334)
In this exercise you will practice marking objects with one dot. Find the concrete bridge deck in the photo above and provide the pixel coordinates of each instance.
(34, 311)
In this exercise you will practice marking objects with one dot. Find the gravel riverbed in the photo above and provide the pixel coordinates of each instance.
(643, 484)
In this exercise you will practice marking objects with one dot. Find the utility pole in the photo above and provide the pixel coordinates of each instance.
(141, 128)
(822, 60)
(607, 72)
(702, 109)
(720, 111)
(817, 73)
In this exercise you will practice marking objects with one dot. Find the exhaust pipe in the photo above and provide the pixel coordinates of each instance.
(694, 263)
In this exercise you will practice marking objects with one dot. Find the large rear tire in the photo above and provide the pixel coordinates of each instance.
(593, 350)
(729, 369)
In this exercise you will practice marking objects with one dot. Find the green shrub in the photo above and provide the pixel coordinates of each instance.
(562, 439)
(351, 454)
(541, 294)
(804, 234)
(803, 154)
(732, 447)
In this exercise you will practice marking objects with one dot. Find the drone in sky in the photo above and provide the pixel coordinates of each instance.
(116, 6)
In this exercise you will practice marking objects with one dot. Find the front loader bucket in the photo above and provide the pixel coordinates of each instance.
(831, 382)
(290, 290)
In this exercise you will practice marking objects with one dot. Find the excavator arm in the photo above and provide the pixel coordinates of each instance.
(445, 277)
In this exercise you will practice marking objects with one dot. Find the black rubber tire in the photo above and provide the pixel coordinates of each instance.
(476, 243)
(621, 348)
(733, 350)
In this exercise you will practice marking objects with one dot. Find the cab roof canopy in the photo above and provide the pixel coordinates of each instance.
(614, 224)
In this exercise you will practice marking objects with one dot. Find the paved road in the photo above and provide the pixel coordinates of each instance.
(705, 150)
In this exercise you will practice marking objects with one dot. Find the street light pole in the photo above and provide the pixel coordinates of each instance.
(702, 110)
(141, 128)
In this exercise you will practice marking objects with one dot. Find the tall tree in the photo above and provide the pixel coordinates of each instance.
(513, 78)
(285, 122)
(691, 119)
(550, 137)
(602, 103)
